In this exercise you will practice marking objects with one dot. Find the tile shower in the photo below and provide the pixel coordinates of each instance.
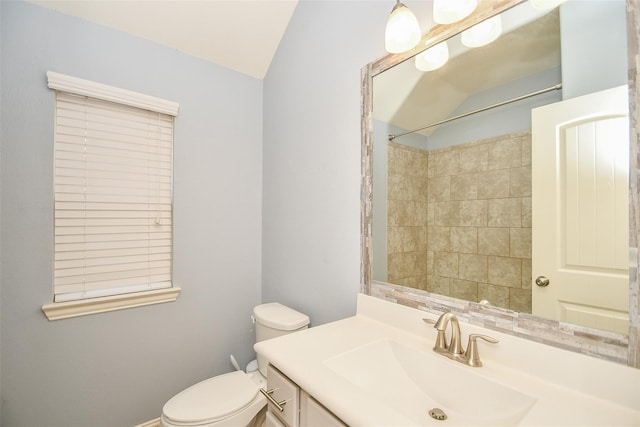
(459, 220)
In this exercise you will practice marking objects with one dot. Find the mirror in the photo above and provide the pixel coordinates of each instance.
(470, 245)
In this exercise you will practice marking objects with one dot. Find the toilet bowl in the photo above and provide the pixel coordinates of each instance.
(234, 399)
(231, 399)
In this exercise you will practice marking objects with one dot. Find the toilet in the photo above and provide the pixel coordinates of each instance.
(234, 399)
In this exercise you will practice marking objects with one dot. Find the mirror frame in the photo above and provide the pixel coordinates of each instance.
(619, 348)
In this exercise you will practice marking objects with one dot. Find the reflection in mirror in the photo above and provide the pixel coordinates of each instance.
(452, 210)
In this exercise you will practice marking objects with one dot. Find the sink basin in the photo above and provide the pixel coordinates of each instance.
(413, 382)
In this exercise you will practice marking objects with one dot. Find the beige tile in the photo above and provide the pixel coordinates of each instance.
(493, 184)
(520, 182)
(403, 213)
(505, 271)
(463, 289)
(473, 213)
(464, 239)
(506, 153)
(472, 267)
(439, 189)
(444, 162)
(438, 285)
(520, 300)
(416, 282)
(404, 161)
(431, 215)
(526, 149)
(439, 238)
(406, 264)
(395, 270)
(504, 212)
(526, 274)
(447, 213)
(474, 158)
(526, 211)
(402, 187)
(406, 239)
(493, 241)
(394, 240)
(430, 256)
(520, 243)
(496, 295)
(445, 264)
(393, 160)
(464, 187)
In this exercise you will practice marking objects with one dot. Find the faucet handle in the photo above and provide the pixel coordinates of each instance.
(473, 359)
(429, 321)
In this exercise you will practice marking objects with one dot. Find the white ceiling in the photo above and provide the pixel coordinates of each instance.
(239, 34)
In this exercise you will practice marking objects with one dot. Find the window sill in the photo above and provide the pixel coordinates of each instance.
(65, 310)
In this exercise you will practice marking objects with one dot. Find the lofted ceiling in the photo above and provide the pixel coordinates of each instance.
(411, 99)
(242, 35)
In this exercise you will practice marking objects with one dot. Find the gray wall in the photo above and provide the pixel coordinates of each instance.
(593, 46)
(118, 369)
(510, 118)
(311, 179)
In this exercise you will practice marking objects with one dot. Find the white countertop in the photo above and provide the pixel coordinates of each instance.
(569, 388)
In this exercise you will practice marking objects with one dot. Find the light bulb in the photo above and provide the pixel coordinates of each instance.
(433, 58)
(482, 33)
(403, 31)
(448, 11)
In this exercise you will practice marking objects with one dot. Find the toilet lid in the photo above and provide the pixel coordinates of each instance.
(212, 399)
(281, 317)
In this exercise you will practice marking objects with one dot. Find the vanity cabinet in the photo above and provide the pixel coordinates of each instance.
(313, 414)
(299, 409)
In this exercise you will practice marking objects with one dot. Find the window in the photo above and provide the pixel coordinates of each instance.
(113, 197)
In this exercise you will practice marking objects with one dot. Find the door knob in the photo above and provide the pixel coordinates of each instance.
(542, 281)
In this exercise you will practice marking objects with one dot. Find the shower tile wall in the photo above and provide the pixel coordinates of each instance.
(407, 216)
(475, 230)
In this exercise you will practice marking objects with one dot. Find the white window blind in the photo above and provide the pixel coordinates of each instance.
(113, 198)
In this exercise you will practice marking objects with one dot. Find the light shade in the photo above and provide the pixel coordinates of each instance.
(433, 58)
(482, 33)
(448, 11)
(546, 4)
(403, 31)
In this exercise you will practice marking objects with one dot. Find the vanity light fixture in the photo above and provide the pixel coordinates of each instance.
(433, 58)
(449, 11)
(483, 33)
(403, 31)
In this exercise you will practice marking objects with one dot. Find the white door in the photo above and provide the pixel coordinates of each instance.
(580, 162)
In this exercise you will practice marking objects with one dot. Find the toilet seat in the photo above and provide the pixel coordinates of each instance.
(214, 400)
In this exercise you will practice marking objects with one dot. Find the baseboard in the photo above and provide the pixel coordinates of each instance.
(151, 423)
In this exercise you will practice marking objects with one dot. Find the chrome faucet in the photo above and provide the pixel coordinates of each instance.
(453, 349)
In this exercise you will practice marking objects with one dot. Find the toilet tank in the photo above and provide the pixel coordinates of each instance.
(273, 320)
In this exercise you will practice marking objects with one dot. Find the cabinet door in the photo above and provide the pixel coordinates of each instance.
(286, 391)
(313, 414)
(272, 421)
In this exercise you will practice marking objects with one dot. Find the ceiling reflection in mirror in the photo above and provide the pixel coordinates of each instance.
(452, 188)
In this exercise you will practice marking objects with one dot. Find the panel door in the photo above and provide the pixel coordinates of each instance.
(580, 162)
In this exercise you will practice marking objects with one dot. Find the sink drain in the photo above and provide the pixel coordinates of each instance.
(437, 414)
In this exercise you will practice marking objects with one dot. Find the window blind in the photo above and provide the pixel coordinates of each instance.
(113, 198)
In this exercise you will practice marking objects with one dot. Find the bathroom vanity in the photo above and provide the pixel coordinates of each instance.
(293, 406)
(379, 368)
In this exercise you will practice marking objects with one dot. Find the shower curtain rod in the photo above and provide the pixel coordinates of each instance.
(500, 104)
